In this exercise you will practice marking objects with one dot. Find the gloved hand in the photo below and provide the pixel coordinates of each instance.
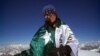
(61, 51)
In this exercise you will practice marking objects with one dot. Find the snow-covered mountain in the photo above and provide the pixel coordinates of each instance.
(12, 49)
(91, 46)
(85, 49)
(87, 53)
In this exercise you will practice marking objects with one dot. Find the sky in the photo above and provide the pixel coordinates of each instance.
(20, 19)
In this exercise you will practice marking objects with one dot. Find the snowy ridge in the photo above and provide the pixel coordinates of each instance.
(91, 46)
(87, 53)
(85, 49)
(12, 49)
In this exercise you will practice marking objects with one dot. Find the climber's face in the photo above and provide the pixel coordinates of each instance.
(51, 17)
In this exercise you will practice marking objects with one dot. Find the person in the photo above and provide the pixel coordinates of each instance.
(54, 38)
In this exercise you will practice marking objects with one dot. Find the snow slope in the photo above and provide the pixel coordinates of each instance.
(88, 53)
(85, 49)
